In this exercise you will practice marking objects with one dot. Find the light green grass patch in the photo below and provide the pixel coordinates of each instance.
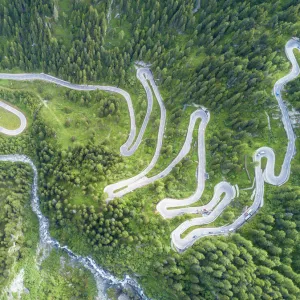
(8, 120)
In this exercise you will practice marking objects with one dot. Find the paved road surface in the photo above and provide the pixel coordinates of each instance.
(125, 149)
(127, 185)
(131, 145)
(267, 175)
(23, 121)
(170, 208)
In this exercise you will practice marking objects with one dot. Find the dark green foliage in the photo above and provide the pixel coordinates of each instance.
(15, 187)
(293, 94)
(263, 261)
(225, 57)
(107, 105)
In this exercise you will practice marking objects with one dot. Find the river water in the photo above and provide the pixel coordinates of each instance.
(101, 276)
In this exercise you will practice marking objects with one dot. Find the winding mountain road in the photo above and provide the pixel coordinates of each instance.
(267, 175)
(23, 121)
(131, 145)
(170, 208)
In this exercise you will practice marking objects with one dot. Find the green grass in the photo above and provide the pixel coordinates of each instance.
(196, 58)
(85, 124)
(57, 277)
(112, 38)
(61, 27)
(8, 120)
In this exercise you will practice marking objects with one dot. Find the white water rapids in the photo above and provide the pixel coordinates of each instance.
(45, 238)
(128, 185)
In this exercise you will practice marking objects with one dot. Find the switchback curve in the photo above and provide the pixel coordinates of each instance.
(140, 180)
(20, 115)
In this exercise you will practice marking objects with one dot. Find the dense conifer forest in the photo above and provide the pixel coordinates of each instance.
(225, 56)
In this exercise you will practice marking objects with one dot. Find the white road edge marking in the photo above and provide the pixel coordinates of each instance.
(23, 121)
(216, 206)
